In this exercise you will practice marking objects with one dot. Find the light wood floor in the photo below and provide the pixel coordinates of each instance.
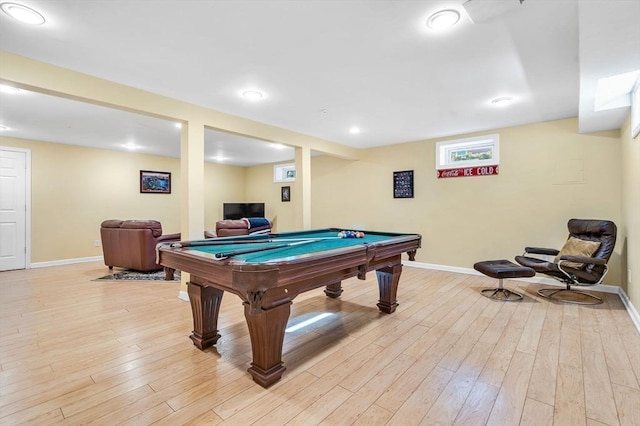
(77, 351)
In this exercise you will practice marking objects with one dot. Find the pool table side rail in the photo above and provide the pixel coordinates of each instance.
(296, 276)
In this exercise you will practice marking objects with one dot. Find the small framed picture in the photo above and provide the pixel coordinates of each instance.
(285, 193)
(155, 182)
(403, 184)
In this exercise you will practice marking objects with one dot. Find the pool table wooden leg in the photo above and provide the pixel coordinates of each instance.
(266, 328)
(205, 306)
(334, 290)
(388, 279)
(169, 274)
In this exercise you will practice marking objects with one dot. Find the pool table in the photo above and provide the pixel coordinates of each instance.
(268, 271)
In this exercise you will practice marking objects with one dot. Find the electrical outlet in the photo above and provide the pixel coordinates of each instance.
(96, 243)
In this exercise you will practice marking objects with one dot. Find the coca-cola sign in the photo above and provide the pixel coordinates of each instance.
(468, 171)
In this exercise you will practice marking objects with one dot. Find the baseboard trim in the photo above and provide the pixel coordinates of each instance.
(66, 261)
(633, 313)
(631, 310)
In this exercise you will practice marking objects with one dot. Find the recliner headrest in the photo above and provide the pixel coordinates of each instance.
(592, 226)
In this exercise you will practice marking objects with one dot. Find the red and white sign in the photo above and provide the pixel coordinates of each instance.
(468, 171)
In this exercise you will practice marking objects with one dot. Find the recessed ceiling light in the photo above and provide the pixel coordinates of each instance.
(22, 13)
(501, 101)
(132, 146)
(354, 130)
(253, 95)
(443, 19)
(277, 146)
(219, 158)
(3, 128)
(178, 125)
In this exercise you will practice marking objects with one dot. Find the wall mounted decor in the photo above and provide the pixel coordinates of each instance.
(468, 171)
(155, 182)
(285, 193)
(403, 184)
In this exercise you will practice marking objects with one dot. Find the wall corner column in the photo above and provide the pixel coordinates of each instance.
(303, 188)
(191, 184)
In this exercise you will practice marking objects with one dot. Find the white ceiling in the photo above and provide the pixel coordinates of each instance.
(324, 66)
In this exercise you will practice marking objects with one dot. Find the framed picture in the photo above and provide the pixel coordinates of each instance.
(285, 193)
(155, 182)
(403, 184)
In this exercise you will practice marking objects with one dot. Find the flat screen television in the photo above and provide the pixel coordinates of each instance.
(240, 210)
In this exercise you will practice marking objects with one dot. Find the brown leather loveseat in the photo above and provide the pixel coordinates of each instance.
(132, 244)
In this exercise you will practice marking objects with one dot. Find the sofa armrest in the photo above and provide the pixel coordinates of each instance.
(541, 250)
(582, 259)
(168, 237)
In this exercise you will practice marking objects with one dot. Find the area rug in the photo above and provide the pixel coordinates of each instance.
(126, 275)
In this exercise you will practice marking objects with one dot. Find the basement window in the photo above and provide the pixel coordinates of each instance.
(468, 152)
(284, 173)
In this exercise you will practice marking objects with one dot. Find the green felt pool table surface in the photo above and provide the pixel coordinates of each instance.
(291, 244)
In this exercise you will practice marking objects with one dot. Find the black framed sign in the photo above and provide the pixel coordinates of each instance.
(403, 184)
(285, 193)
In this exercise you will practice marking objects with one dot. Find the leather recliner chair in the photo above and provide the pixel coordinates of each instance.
(581, 262)
(132, 244)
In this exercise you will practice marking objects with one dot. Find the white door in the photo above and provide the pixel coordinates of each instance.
(13, 209)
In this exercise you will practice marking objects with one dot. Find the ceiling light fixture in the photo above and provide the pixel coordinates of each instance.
(3, 128)
(277, 146)
(354, 130)
(501, 101)
(253, 95)
(132, 146)
(24, 14)
(443, 19)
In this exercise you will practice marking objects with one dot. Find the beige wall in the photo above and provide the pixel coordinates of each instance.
(73, 189)
(262, 188)
(630, 233)
(464, 220)
(222, 184)
(46, 78)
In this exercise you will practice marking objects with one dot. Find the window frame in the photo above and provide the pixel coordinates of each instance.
(281, 171)
(635, 109)
(445, 149)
